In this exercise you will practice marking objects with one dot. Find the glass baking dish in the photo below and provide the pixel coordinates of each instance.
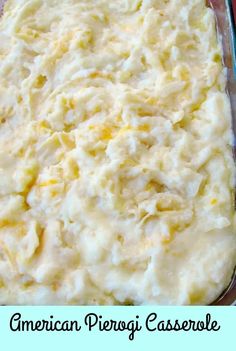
(226, 28)
(226, 31)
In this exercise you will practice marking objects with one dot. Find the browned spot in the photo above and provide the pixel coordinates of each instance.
(120, 238)
(41, 244)
(28, 284)
(55, 286)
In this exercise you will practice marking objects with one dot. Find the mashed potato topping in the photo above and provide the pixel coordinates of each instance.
(116, 169)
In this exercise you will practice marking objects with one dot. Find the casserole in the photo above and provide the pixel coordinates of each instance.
(194, 180)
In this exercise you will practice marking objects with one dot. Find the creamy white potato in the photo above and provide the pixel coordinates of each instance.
(116, 168)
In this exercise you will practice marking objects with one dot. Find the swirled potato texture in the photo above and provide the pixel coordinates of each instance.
(116, 168)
